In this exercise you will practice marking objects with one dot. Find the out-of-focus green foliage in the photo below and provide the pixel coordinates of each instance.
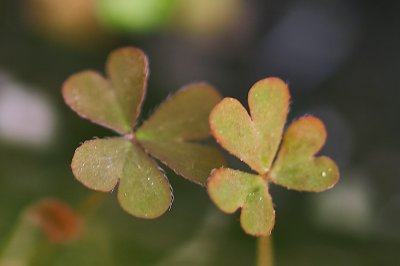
(48, 220)
(134, 15)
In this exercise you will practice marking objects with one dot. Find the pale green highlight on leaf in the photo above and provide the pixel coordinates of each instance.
(184, 116)
(296, 167)
(98, 163)
(269, 103)
(190, 160)
(128, 72)
(143, 191)
(232, 189)
(91, 96)
(233, 129)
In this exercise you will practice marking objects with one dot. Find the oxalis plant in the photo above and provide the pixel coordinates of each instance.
(168, 135)
(172, 133)
(255, 140)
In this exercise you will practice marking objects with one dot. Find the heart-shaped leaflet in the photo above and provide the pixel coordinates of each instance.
(114, 103)
(296, 167)
(254, 139)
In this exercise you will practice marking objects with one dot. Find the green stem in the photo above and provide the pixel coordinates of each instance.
(21, 246)
(265, 256)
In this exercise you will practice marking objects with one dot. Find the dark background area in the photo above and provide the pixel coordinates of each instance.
(341, 60)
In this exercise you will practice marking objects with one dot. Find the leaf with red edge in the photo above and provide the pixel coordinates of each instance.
(269, 105)
(114, 103)
(183, 116)
(143, 191)
(231, 189)
(296, 167)
(254, 139)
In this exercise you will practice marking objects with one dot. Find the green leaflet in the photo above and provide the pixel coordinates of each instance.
(182, 117)
(296, 168)
(128, 69)
(269, 104)
(253, 139)
(113, 103)
(91, 96)
(143, 190)
(190, 160)
(232, 189)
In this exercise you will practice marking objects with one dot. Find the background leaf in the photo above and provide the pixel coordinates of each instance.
(295, 167)
(231, 189)
(91, 96)
(269, 104)
(57, 220)
(184, 116)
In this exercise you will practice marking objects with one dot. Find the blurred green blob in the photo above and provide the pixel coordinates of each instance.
(134, 15)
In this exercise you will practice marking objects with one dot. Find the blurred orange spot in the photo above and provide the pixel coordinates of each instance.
(58, 221)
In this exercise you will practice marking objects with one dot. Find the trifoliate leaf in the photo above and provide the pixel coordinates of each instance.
(231, 189)
(143, 191)
(255, 140)
(296, 167)
(114, 104)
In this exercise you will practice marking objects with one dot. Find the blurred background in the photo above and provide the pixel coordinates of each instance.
(341, 59)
